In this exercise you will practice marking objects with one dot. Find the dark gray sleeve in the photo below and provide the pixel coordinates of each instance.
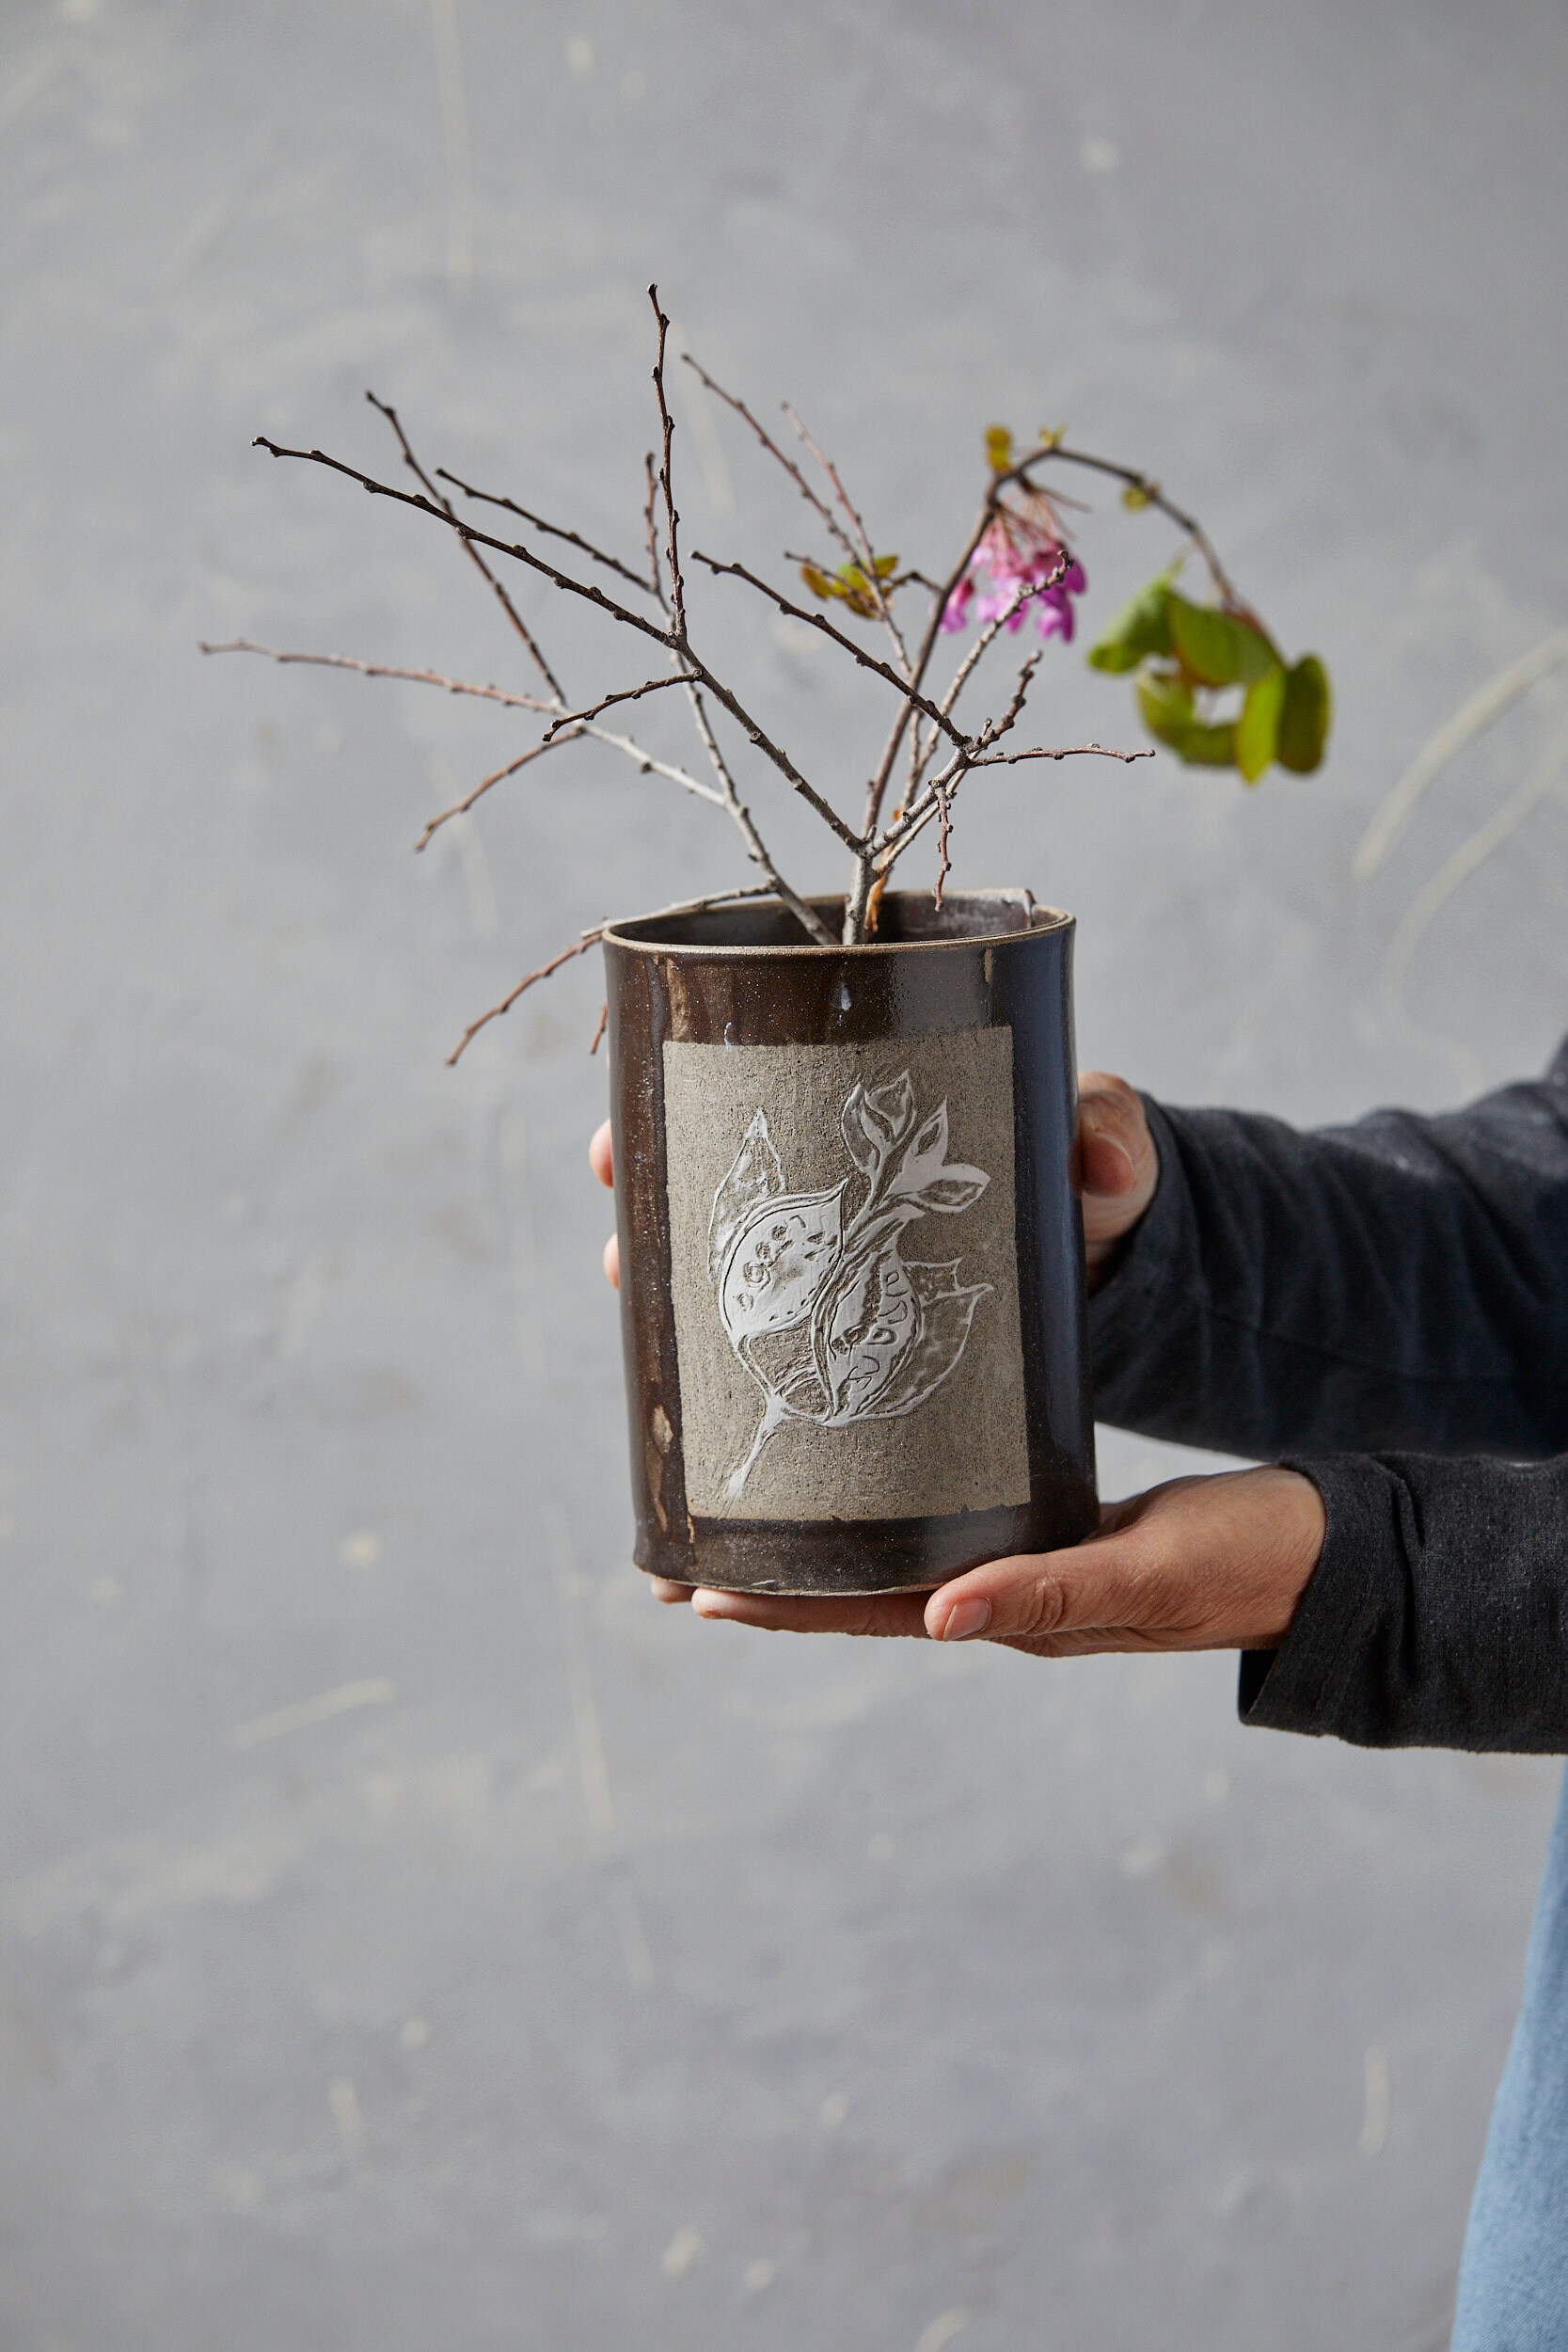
(1402, 1283)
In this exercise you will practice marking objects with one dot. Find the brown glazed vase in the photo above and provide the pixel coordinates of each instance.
(852, 1256)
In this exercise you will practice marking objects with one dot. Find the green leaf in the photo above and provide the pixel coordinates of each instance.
(1135, 498)
(1218, 648)
(817, 582)
(998, 446)
(1165, 706)
(1257, 727)
(1207, 747)
(886, 567)
(1141, 628)
(1304, 720)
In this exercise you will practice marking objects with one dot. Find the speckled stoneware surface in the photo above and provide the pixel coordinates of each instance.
(852, 1264)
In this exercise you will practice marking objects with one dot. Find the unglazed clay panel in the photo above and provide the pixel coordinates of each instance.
(844, 1284)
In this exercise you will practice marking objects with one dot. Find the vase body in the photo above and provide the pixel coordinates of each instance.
(852, 1256)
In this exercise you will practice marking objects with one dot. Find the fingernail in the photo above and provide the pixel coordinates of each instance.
(965, 1619)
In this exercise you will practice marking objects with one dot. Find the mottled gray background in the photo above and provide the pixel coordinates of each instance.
(411, 1937)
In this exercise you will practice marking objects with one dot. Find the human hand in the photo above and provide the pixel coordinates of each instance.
(1115, 1169)
(1215, 1563)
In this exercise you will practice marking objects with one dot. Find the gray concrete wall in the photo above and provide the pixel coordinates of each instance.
(410, 1936)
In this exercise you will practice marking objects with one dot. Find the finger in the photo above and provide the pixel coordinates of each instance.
(1043, 1596)
(886, 1614)
(600, 1156)
(1114, 1148)
(613, 1262)
(663, 1589)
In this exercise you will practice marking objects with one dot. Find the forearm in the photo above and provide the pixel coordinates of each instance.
(1437, 1616)
(1403, 1282)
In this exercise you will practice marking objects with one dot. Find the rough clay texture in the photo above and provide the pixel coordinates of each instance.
(965, 1447)
(413, 1939)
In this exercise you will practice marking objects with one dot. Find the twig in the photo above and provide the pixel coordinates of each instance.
(818, 505)
(1147, 489)
(1066, 751)
(624, 694)
(382, 669)
(552, 531)
(650, 535)
(524, 632)
(820, 621)
(943, 830)
(497, 775)
(672, 519)
(600, 1027)
(580, 946)
(862, 538)
(755, 735)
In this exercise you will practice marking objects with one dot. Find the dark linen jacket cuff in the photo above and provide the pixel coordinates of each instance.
(1302, 1685)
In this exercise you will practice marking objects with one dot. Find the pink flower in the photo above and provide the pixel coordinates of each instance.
(1013, 568)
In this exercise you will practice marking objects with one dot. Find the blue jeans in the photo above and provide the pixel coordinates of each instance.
(1513, 2276)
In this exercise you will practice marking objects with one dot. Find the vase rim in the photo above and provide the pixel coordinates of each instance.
(1033, 920)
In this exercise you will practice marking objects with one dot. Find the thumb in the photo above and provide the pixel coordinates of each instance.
(1037, 1595)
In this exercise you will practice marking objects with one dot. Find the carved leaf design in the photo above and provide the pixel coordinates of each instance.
(828, 1320)
(754, 1175)
(779, 1260)
(861, 1138)
(889, 1111)
(946, 1311)
(864, 1327)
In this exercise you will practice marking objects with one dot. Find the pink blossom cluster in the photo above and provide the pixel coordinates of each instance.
(1017, 554)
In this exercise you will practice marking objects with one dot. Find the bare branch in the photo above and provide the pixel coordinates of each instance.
(820, 622)
(468, 531)
(650, 535)
(524, 632)
(945, 864)
(672, 519)
(580, 946)
(552, 531)
(599, 1030)
(754, 733)
(877, 790)
(819, 506)
(626, 694)
(384, 669)
(867, 555)
(1148, 492)
(497, 775)
(1066, 751)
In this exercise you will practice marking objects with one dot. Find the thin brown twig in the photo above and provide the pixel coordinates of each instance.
(945, 828)
(497, 775)
(755, 735)
(820, 622)
(600, 1026)
(671, 517)
(580, 946)
(1066, 751)
(862, 537)
(530, 642)
(624, 694)
(383, 669)
(1147, 489)
(650, 533)
(552, 531)
(818, 505)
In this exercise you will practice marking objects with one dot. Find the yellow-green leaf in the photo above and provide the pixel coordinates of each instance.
(1052, 436)
(1164, 704)
(1134, 498)
(998, 446)
(1257, 727)
(1140, 630)
(1208, 747)
(1304, 719)
(886, 567)
(1217, 647)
